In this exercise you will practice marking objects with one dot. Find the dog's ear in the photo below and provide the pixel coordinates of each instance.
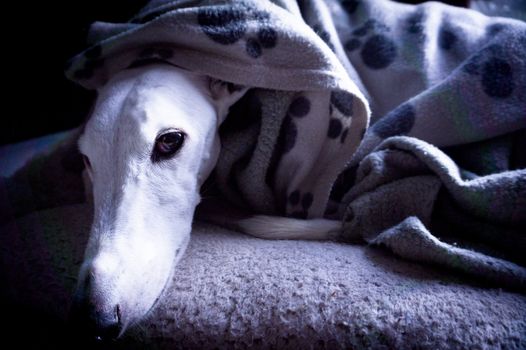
(225, 94)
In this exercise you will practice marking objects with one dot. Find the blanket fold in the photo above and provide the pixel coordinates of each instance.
(395, 203)
(442, 87)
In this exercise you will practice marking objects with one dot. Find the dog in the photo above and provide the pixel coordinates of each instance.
(149, 145)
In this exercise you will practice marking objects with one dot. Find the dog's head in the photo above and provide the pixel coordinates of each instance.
(149, 144)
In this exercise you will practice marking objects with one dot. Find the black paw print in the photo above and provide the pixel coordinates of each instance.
(266, 37)
(378, 49)
(304, 202)
(228, 24)
(399, 121)
(415, 23)
(343, 102)
(496, 74)
(298, 109)
(223, 24)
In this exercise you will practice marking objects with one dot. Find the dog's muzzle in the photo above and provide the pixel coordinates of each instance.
(91, 323)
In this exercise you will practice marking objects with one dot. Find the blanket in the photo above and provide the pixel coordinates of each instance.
(405, 122)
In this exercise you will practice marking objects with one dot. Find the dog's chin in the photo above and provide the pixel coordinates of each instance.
(155, 300)
(117, 291)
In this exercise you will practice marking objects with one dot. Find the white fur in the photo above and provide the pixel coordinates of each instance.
(143, 209)
(270, 227)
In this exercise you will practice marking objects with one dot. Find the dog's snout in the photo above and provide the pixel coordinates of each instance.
(91, 318)
(94, 325)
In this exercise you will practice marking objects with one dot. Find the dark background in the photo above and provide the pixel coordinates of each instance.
(39, 99)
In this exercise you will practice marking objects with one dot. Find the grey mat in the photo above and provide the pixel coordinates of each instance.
(234, 291)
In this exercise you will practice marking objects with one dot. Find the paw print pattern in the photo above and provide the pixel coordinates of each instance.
(342, 101)
(223, 24)
(302, 202)
(400, 121)
(496, 74)
(415, 23)
(228, 24)
(335, 128)
(378, 50)
(298, 109)
(266, 37)
(447, 38)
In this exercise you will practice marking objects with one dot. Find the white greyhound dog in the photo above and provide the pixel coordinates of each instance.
(149, 145)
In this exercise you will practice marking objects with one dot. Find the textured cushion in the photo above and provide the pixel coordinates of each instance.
(231, 290)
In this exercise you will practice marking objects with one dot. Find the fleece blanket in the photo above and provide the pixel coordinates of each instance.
(405, 122)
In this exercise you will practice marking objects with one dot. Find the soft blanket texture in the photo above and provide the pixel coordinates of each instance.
(236, 292)
(299, 143)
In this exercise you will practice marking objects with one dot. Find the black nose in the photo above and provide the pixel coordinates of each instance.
(92, 325)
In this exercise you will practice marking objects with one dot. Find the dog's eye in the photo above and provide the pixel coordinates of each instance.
(167, 144)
